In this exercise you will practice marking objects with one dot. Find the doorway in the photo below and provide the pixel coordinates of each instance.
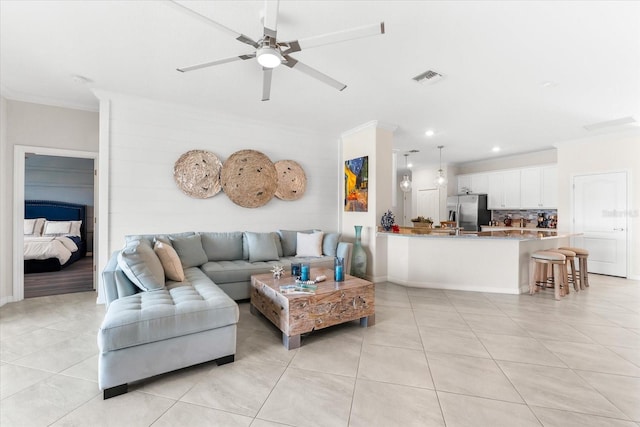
(600, 214)
(20, 153)
(429, 204)
(60, 180)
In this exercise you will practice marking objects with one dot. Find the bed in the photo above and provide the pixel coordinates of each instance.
(49, 246)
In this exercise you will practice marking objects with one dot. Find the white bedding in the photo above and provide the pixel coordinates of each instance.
(49, 247)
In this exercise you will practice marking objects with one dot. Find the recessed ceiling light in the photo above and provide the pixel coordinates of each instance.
(547, 84)
(430, 133)
(495, 149)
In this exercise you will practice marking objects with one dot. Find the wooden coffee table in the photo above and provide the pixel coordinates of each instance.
(295, 314)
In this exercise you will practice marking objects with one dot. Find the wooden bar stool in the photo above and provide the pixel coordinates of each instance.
(539, 262)
(573, 277)
(582, 255)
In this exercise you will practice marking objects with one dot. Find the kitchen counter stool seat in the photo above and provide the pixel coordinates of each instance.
(582, 255)
(572, 277)
(538, 268)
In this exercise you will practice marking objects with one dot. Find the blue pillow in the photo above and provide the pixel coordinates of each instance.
(330, 244)
(141, 265)
(189, 250)
(262, 247)
(222, 246)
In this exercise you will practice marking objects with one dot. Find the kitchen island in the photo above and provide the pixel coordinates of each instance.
(487, 261)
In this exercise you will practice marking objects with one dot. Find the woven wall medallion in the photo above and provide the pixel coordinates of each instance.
(249, 178)
(292, 180)
(197, 173)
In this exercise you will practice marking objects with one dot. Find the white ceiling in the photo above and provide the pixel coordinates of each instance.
(495, 57)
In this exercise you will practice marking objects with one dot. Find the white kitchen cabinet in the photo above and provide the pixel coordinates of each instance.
(477, 183)
(464, 184)
(550, 187)
(539, 187)
(504, 190)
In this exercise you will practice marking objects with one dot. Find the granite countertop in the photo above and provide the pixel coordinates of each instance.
(516, 234)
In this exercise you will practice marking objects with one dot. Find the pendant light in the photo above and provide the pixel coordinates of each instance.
(405, 184)
(441, 179)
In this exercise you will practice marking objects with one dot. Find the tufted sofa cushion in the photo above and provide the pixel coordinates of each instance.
(182, 308)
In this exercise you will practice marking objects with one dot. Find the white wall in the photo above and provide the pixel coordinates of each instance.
(146, 138)
(606, 153)
(6, 271)
(374, 140)
(35, 125)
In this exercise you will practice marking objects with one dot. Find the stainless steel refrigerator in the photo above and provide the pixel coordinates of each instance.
(469, 211)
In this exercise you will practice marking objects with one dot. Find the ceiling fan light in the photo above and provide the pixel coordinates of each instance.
(268, 57)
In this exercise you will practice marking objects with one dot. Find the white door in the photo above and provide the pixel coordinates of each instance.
(428, 204)
(600, 214)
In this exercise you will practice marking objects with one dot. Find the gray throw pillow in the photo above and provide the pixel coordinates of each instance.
(245, 245)
(223, 246)
(289, 240)
(190, 250)
(330, 244)
(141, 265)
(276, 238)
(262, 247)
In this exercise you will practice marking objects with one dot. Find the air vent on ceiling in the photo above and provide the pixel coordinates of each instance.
(428, 76)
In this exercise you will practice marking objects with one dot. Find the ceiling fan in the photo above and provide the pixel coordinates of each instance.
(270, 52)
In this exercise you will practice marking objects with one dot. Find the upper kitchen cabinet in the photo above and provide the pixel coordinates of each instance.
(504, 190)
(539, 187)
(476, 183)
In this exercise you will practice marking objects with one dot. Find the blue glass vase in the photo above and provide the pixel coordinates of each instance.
(359, 256)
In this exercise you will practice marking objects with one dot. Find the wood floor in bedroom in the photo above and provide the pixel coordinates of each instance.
(78, 277)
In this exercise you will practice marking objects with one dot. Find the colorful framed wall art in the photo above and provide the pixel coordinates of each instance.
(356, 184)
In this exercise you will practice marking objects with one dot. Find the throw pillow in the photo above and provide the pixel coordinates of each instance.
(189, 250)
(330, 244)
(262, 247)
(289, 239)
(75, 228)
(29, 225)
(56, 228)
(309, 244)
(37, 229)
(141, 265)
(276, 238)
(222, 246)
(170, 261)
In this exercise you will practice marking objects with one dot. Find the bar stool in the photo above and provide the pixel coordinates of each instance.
(582, 255)
(539, 262)
(573, 277)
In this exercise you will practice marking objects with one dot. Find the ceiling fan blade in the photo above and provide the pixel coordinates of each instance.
(297, 65)
(271, 17)
(329, 38)
(218, 62)
(238, 36)
(266, 83)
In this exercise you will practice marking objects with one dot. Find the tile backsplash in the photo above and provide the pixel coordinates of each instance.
(531, 215)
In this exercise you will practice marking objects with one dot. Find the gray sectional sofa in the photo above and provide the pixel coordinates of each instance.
(155, 324)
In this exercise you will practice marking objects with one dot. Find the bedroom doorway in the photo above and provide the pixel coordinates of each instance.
(59, 175)
(50, 267)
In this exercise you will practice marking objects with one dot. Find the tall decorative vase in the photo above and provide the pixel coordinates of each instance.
(359, 256)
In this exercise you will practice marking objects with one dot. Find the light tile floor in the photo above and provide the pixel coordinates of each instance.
(434, 357)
